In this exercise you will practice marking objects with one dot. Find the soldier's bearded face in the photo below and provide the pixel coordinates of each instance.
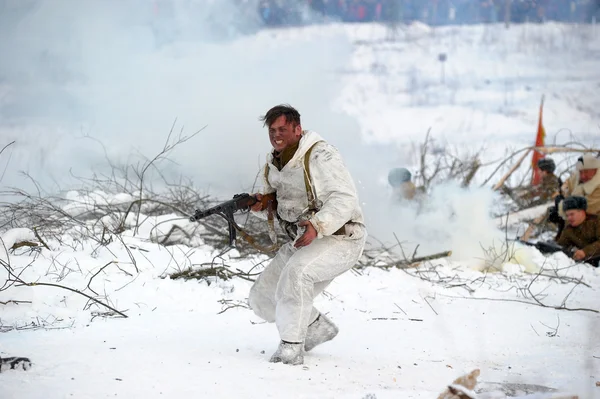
(284, 134)
(586, 175)
(575, 217)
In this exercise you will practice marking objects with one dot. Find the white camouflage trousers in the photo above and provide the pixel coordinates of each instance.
(285, 290)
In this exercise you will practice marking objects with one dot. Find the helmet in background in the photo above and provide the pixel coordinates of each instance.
(547, 165)
(397, 176)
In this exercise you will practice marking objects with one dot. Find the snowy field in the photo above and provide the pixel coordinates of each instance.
(404, 333)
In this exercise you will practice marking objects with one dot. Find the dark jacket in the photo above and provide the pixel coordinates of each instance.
(586, 236)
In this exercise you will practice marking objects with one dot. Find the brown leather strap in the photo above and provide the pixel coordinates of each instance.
(271, 209)
(310, 189)
(250, 240)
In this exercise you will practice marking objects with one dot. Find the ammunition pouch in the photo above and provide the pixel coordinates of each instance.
(291, 229)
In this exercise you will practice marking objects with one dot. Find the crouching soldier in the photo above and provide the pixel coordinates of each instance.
(545, 191)
(550, 184)
(582, 232)
(317, 200)
(585, 182)
(400, 179)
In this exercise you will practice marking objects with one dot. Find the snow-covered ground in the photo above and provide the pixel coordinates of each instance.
(401, 336)
(404, 333)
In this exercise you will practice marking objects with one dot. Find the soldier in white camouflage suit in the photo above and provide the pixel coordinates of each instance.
(318, 205)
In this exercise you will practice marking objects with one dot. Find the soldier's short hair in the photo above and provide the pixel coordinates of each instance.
(290, 113)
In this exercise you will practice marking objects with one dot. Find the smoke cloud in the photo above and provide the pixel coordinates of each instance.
(124, 73)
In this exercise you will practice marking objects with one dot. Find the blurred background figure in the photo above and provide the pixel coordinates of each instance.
(432, 12)
(585, 182)
(400, 179)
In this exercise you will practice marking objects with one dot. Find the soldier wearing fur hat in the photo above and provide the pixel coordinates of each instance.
(400, 179)
(582, 233)
(585, 182)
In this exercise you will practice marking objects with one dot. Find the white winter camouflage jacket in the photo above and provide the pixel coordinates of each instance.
(331, 179)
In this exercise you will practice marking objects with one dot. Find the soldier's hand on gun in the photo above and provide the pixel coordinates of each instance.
(579, 255)
(310, 233)
(258, 206)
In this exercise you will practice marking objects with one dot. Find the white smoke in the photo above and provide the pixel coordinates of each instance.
(122, 73)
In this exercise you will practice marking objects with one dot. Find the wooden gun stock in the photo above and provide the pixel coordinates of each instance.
(269, 201)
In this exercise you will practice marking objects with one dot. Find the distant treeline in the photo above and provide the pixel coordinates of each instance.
(432, 12)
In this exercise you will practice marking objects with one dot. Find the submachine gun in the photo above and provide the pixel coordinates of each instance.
(239, 203)
(545, 247)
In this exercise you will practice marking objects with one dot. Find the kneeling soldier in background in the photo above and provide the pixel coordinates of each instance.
(582, 231)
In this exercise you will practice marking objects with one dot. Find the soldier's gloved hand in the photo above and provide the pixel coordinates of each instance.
(310, 233)
(579, 255)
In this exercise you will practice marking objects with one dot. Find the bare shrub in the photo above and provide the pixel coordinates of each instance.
(440, 162)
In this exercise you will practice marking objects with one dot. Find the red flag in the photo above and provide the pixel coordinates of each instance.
(536, 177)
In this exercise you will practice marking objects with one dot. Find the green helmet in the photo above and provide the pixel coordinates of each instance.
(546, 164)
(397, 176)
